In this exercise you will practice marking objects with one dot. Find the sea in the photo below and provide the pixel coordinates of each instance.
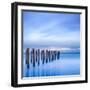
(67, 64)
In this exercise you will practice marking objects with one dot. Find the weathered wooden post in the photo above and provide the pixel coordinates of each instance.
(33, 55)
(38, 54)
(43, 56)
(27, 57)
(49, 55)
(46, 56)
(58, 54)
(55, 55)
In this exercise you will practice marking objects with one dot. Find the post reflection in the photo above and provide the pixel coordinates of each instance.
(36, 57)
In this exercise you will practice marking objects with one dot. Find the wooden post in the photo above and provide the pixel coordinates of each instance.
(49, 55)
(55, 55)
(33, 55)
(27, 57)
(58, 54)
(38, 54)
(43, 56)
(46, 56)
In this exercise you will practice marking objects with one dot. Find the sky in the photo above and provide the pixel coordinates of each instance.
(51, 30)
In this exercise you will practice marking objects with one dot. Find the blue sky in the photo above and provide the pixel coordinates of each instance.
(45, 30)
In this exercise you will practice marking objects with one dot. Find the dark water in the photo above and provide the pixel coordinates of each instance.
(68, 64)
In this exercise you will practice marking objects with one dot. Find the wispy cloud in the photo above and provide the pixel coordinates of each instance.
(60, 31)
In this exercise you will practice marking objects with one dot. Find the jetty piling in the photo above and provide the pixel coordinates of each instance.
(46, 56)
(36, 56)
(27, 57)
(33, 57)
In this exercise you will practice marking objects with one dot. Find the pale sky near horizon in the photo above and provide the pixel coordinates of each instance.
(43, 30)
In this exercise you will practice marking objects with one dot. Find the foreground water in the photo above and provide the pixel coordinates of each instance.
(68, 64)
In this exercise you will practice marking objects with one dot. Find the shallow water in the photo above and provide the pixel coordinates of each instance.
(68, 64)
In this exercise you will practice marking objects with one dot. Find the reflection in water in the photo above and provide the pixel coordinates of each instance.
(36, 57)
(38, 63)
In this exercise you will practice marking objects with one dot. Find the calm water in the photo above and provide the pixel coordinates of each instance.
(68, 64)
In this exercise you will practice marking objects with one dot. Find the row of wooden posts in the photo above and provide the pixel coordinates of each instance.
(34, 56)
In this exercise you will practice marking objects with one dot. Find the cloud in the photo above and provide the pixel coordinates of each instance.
(67, 38)
(61, 30)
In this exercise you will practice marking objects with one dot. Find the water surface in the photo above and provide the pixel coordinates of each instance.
(68, 64)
